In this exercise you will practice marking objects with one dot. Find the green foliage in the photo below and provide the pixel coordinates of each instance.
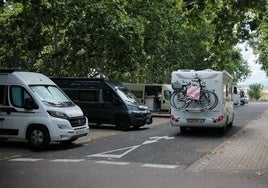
(256, 91)
(129, 41)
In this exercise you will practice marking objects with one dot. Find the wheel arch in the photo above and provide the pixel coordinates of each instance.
(33, 125)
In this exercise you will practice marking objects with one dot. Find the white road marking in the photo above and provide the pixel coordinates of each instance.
(68, 160)
(156, 138)
(117, 156)
(26, 159)
(112, 163)
(160, 166)
(126, 150)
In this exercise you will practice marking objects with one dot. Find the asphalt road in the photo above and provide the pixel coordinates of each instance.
(157, 155)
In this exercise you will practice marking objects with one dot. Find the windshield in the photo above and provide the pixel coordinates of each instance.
(51, 95)
(126, 95)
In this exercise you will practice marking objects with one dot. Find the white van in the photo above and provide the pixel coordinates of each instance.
(33, 108)
(155, 96)
(202, 99)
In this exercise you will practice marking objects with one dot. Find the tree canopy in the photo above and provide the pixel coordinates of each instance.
(131, 41)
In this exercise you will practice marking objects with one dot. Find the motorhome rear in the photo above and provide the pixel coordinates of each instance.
(155, 96)
(106, 102)
(34, 108)
(213, 105)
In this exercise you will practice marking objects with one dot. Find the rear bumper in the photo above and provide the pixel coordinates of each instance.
(197, 122)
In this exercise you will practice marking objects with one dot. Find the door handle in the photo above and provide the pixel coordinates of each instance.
(2, 119)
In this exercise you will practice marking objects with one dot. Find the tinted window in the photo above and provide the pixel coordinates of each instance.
(167, 94)
(89, 95)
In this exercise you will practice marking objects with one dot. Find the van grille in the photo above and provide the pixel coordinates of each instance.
(78, 121)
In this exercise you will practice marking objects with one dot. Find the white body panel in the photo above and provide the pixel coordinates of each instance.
(155, 96)
(218, 82)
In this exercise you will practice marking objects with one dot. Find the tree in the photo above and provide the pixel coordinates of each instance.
(129, 41)
(255, 91)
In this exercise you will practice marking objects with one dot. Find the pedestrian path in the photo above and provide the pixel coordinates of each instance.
(247, 150)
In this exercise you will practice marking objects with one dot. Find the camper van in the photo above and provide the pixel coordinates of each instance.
(155, 96)
(201, 99)
(34, 108)
(106, 102)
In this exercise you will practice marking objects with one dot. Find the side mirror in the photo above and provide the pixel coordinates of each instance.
(29, 104)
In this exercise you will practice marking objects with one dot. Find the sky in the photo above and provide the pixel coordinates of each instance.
(257, 75)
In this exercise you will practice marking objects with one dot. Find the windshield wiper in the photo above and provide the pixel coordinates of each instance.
(51, 103)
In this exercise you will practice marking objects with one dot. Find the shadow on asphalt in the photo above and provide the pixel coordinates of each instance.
(113, 128)
(206, 132)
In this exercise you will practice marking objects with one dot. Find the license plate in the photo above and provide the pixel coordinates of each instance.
(195, 120)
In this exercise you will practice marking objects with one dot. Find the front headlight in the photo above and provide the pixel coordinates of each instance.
(57, 114)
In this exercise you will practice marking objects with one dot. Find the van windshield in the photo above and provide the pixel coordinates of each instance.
(51, 95)
(126, 95)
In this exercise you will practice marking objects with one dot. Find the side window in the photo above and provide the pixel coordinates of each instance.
(3, 91)
(167, 94)
(89, 95)
(18, 95)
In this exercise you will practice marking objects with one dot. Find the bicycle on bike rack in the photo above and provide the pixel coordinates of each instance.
(193, 94)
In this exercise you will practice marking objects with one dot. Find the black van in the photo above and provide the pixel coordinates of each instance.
(106, 102)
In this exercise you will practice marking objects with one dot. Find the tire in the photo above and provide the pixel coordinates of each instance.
(208, 100)
(178, 100)
(122, 123)
(38, 136)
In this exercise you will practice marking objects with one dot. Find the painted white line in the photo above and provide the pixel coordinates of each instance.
(112, 163)
(68, 160)
(26, 159)
(160, 166)
(108, 154)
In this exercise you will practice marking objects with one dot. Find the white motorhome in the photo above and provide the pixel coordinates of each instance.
(33, 108)
(155, 96)
(201, 99)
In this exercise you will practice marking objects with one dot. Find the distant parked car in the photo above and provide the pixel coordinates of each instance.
(244, 100)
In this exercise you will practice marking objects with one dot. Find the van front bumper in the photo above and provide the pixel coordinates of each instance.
(141, 118)
(68, 130)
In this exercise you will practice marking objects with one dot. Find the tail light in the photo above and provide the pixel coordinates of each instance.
(174, 118)
(217, 120)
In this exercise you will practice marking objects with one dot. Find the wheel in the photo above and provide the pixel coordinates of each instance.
(178, 100)
(122, 123)
(38, 136)
(208, 100)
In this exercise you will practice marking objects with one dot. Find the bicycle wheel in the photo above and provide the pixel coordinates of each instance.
(178, 99)
(208, 100)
